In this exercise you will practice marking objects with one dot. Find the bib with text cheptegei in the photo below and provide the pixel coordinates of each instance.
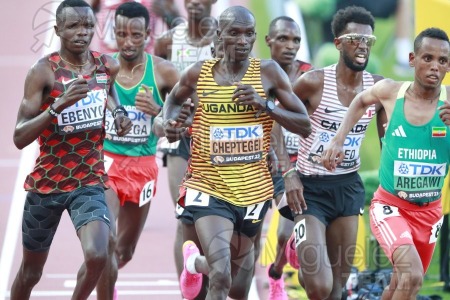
(236, 144)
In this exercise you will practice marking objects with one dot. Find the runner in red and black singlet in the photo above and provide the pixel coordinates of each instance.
(63, 108)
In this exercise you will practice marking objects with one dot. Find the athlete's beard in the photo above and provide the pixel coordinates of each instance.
(352, 66)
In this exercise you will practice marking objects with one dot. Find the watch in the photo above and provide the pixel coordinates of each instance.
(270, 106)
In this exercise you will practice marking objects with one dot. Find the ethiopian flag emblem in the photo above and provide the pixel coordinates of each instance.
(439, 132)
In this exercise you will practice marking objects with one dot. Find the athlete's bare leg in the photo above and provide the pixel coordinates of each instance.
(105, 286)
(407, 278)
(176, 169)
(94, 238)
(341, 242)
(29, 274)
(312, 253)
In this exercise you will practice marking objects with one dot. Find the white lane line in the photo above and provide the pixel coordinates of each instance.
(27, 157)
(121, 276)
(15, 217)
(47, 294)
(121, 283)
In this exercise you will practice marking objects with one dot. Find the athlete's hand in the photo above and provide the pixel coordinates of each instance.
(145, 102)
(444, 112)
(173, 130)
(245, 94)
(123, 124)
(294, 193)
(77, 90)
(186, 115)
(333, 155)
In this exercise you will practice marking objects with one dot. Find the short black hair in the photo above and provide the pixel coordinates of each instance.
(69, 3)
(282, 18)
(433, 32)
(355, 14)
(133, 10)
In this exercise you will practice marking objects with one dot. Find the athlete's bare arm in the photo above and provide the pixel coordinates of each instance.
(309, 88)
(444, 113)
(276, 84)
(163, 45)
(177, 97)
(38, 84)
(383, 92)
(166, 76)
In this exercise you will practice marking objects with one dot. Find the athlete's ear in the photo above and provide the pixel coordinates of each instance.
(338, 44)
(56, 30)
(412, 59)
(268, 43)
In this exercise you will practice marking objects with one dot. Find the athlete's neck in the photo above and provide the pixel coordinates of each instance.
(128, 65)
(347, 77)
(74, 59)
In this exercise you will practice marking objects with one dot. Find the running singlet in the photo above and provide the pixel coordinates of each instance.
(71, 147)
(140, 141)
(292, 140)
(184, 54)
(230, 145)
(325, 122)
(414, 159)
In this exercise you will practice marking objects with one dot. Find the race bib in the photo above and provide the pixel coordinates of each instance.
(196, 198)
(86, 114)
(383, 211)
(147, 193)
(236, 144)
(108, 161)
(300, 232)
(435, 230)
(140, 131)
(253, 212)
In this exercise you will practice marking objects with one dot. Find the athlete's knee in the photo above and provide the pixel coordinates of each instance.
(30, 276)
(95, 259)
(219, 280)
(125, 254)
(410, 281)
(318, 289)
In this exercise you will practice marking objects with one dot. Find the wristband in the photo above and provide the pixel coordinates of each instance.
(291, 170)
(118, 109)
(52, 112)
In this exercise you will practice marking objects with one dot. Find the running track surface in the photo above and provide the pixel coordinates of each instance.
(151, 273)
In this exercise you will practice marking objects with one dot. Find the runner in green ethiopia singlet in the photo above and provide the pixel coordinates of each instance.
(415, 158)
(140, 141)
(230, 144)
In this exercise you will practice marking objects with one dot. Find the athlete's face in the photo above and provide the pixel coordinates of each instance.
(198, 9)
(431, 62)
(284, 42)
(238, 37)
(131, 35)
(75, 27)
(354, 45)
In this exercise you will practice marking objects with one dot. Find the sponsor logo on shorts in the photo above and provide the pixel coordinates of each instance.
(256, 221)
(406, 235)
(106, 218)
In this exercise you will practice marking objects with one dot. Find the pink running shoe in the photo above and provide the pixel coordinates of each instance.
(190, 284)
(291, 254)
(276, 287)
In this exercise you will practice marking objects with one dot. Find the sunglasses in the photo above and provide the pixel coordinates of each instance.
(356, 39)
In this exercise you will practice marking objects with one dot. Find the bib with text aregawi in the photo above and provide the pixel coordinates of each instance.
(229, 144)
(414, 158)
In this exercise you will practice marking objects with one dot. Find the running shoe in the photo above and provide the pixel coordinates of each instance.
(190, 284)
(291, 254)
(276, 287)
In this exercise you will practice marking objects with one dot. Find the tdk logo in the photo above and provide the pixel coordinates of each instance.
(93, 97)
(403, 168)
(137, 116)
(245, 132)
